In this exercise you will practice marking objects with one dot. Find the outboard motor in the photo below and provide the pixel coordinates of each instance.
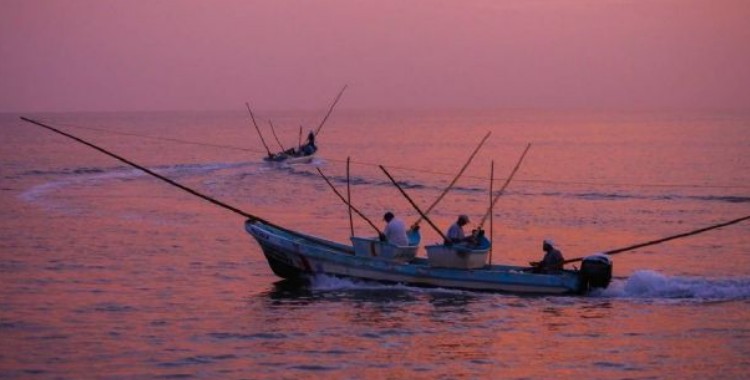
(596, 272)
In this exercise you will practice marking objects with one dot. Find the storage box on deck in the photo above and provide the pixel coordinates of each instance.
(373, 247)
(456, 256)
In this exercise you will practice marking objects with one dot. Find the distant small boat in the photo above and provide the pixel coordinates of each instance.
(292, 254)
(304, 153)
(288, 158)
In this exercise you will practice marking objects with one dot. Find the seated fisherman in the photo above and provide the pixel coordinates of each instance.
(553, 260)
(395, 230)
(456, 232)
(309, 147)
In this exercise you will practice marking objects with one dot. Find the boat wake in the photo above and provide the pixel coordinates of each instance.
(646, 286)
(326, 283)
(39, 194)
(653, 286)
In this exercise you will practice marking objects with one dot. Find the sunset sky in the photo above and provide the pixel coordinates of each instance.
(131, 55)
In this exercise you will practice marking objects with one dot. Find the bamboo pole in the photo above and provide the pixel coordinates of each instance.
(258, 129)
(349, 197)
(502, 189)
(455, 179)
(445, 238)
(492, 178)
(330, 110)
(273, 131)
(347, 203)
(666, 239)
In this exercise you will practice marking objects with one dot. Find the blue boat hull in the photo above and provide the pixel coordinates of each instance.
(292, 255)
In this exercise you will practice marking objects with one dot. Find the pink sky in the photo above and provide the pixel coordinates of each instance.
(106, 55)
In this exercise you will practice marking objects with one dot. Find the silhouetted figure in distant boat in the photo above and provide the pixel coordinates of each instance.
(395, 230)
(309, 147)
(553, 260)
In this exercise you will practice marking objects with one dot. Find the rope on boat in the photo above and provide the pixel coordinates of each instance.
(666, 239)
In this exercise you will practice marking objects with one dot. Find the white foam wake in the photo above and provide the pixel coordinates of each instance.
(646, 284)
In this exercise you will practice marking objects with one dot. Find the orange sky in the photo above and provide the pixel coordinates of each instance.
(93, 55)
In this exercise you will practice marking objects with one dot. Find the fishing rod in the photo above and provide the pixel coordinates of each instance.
(148, 171)
(666, 239)
(330, 110)
(250, 217)
(273, 131)
(502, 189)
(453, 182)
(347, 203)
(492, 176)
(349, 198)
(424, 216)
(258, 129)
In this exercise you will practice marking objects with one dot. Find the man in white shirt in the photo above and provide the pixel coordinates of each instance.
(456, 231)
(395, 230)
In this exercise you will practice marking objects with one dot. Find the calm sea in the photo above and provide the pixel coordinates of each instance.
(108, 273)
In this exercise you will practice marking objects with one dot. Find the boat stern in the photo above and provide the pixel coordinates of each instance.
(595, 272)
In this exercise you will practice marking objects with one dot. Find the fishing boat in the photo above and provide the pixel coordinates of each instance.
(304, 153)
(290, 158)
(454, 264)
(294, 255)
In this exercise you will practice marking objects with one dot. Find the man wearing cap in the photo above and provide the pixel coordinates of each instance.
(395, 230)
(553, 260)
(456, 231)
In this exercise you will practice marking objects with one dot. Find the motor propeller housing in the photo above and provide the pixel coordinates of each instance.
(596, 272)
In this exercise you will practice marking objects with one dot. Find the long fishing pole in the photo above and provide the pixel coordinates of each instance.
(347, 203)
(330, 110)
(502, 189)
(258, 129)
(273, 131)
(148, 171)
(455, 179)
(251, 217)
(408, 198)
(349, 198)
(666, 239)
(492, 178)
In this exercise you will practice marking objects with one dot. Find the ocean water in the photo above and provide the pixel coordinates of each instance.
(108, 273)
